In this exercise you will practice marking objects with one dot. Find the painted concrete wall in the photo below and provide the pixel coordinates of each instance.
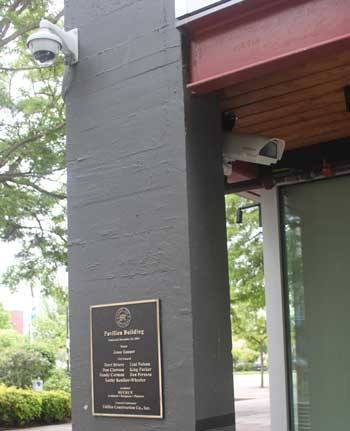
(146, 208)
(210, 294)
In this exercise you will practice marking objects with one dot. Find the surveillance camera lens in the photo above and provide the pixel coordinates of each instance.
(44, 56)
(269, 150)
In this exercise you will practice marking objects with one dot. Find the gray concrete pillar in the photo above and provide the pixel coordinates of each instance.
(146, 209)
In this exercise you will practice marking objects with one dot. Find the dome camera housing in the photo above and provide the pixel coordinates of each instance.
(44, 46)
(49, 40)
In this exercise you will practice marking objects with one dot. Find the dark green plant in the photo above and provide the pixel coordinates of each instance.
(55, 407)
(59, 380)
(19, 407)
(20, 366)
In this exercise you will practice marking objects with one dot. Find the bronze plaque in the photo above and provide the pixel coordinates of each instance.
(126, 360)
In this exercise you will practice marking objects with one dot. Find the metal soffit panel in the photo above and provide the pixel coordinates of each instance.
(193, 9)
(186, 7)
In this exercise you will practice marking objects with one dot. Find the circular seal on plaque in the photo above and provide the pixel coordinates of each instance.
(123, 317)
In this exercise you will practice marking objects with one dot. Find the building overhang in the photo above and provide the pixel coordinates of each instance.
(190, 10)
(232, 42)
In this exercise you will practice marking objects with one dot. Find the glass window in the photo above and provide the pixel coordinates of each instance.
(316, 245)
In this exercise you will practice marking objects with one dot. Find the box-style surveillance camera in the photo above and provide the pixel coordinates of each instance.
(251, 148)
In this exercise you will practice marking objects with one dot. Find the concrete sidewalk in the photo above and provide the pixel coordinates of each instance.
(63, 427)
(252, 404)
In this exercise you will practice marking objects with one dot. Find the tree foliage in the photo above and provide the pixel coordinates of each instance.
(26, 358)
(10, 339)
(5, 322)
(18, 367)
(32, 148)
(59, 380)
(50, 329)
(246, 277)
(244, 358)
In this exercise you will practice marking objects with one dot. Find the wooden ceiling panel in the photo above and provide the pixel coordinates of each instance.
(328, 78)
(321, 123)
(286, 114)
(308, 94)
(338, 131)
(300, 71)
(304, 106)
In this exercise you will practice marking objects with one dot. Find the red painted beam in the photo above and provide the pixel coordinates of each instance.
(257, 37)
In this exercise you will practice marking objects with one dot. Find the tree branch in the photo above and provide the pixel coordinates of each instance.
(5, 21)
(5, 154)
(47, 192)
(16, 34)
(55, 195)
(25, 30)
(9, 176)
(18, 69)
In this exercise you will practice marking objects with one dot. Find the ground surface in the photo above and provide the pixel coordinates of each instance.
(64, 427)
(251, 405)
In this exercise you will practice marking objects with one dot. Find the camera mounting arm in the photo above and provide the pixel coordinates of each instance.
(69, 40)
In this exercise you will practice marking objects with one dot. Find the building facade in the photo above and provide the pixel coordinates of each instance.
(146, 196)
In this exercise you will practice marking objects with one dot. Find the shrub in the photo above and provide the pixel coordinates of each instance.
(55, 406)
(58, 381)
(20, 407)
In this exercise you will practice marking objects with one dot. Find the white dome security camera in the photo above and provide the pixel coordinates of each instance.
(44, 45)
(250, 148)
(49, 40)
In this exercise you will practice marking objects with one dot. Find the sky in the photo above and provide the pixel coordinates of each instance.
(7, 253)
(21, 300)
